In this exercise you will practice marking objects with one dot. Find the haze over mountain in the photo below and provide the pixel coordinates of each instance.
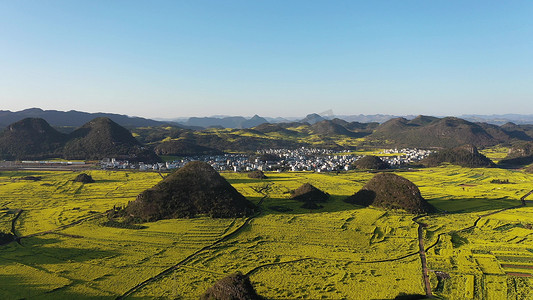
(71, 118)
(75, 118)
(103, 137)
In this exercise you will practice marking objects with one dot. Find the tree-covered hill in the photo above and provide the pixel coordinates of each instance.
(34, 138)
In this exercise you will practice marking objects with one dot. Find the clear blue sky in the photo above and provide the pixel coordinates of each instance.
(272, 58)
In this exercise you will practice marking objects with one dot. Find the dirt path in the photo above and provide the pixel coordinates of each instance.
(95, 216)
(14, 221)
(422, 251)
(19, 238)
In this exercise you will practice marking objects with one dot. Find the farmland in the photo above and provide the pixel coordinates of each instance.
(338, 251)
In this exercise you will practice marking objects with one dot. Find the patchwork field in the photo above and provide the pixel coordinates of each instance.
(338, 251)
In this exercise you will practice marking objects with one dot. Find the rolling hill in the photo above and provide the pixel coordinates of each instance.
(34, 138)
(30, 138)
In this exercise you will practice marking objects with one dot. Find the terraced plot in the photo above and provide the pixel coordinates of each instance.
(339, 251)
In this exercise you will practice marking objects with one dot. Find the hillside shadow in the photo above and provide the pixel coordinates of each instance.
(107, 181)
(256, 181)
(39, 250)
(19, 287)
(335, 203)
(472, 205)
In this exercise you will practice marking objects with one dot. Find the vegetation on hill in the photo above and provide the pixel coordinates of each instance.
(329, 128)
(233, 287)
(34, 138)
(390, 191)
(184, 148)
(30, 138)
(71, 118)
(371, 162)
(194, 189)
(100, 138)
(309, 195)
(84, 178)
(519, 154)
(465, 156)
(521, 132)
(268, 128)
(338, 134)
(257, 174)
(434, 132)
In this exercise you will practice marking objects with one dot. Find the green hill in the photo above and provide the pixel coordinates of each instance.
(184, 148)
(519, 154)
(465, 156)
(102, 138)
(233, 287)
(390, 191)
(34, 138)
(371, 162)
(30, 138)
(194, 189)
(434, 132)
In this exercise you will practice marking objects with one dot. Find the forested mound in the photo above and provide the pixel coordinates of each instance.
(184, 148)
(234, 287)
(34, 138)
(520, 154)
(30, 138)
(84, 178)
(434, 132)
(194, 189)
(465, 156)
(268, 128)
(390, 191)
(329, 128)
(257, 174)
(310, 195)
(371, 162)
(101, 138)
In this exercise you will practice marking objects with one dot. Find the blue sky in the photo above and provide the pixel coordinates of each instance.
(272, 58)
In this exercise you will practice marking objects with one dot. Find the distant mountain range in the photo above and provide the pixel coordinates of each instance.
(72, 118)
(77, 118)
(34, 138)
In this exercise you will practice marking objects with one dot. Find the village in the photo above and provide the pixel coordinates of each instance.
(300, 159)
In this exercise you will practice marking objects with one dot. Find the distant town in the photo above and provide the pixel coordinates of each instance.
(301, 159)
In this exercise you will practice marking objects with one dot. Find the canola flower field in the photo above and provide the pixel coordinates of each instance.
(340, 251)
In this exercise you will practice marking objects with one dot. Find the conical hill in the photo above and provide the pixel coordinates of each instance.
(371, 162)
(101, 138)
(194, 189)
(390, 191)
(308, 193)
(30, 138)
(233, 287)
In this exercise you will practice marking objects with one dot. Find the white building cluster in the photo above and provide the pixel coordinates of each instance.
(405, 156)
(300, 159)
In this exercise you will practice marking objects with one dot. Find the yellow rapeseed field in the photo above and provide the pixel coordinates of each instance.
(340, 251)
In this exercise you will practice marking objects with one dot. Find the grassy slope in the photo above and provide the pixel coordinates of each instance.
(338, 242)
